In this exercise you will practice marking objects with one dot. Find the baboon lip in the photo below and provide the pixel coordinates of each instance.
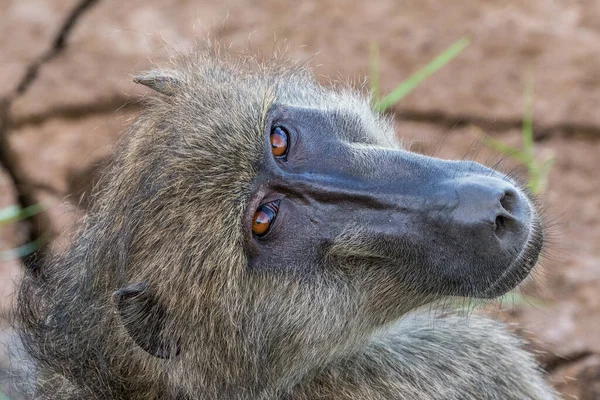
(522, 265)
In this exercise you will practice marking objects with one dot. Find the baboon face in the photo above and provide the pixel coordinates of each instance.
(265, 199)
(327, 197)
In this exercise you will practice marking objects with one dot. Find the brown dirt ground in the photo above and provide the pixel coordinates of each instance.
(62, 126)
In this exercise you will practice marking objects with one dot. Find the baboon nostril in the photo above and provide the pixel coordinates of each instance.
(500, 225)
(508, 202)
(508, 199)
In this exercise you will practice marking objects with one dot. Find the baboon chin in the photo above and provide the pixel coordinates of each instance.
(260, 236)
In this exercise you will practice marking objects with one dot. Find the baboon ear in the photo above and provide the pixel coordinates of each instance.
(145, 320)
(163, 81)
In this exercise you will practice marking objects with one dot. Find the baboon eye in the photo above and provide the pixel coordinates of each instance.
(279, 141)
(264, 218)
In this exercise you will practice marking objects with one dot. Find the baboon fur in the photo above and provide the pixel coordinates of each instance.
(170, 213)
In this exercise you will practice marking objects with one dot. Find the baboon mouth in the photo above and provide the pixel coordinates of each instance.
(522, 265)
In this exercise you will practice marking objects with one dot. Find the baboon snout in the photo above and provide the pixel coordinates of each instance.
(455, 227)
(491, 208)
(487, 233)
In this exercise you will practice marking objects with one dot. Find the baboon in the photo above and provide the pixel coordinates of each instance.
(261, 236)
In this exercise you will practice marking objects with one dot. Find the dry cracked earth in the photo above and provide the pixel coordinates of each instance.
(66, 94)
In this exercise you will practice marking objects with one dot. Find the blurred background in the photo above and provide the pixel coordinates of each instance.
(514, 82)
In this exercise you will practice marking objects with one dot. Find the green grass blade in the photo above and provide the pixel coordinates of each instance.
(527, 129)
(542, 171)
(24, 250)
(8, 214)
(506, 150)
(408, 85)
(374, 71)
(15, 213)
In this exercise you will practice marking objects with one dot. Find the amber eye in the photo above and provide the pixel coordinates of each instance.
(279, 141)
(264, 218)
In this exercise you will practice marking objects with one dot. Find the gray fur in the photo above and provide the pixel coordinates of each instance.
(170, 214)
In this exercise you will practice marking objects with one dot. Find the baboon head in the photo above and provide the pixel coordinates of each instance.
(256, 223)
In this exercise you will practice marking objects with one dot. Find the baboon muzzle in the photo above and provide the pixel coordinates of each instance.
(462, 228)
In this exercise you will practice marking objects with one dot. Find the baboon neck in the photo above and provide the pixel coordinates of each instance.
(271, 373)
(268, 361)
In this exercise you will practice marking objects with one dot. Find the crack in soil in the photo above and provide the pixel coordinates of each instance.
(556, 361)
(58, 45)
(434, 117)
(39, 224)
(108, 106)
(541, 132)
